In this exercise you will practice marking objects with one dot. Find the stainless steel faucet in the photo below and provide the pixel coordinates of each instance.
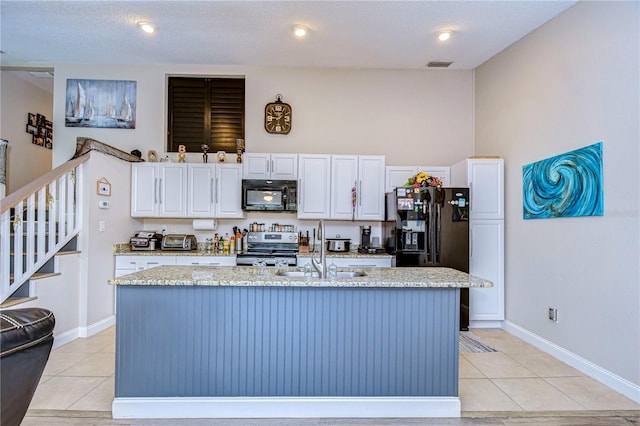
(320, 266)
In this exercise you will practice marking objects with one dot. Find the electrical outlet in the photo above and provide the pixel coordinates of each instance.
(165, 228)
(553, 314)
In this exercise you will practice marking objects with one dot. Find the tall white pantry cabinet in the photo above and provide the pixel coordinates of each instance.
(485, 179)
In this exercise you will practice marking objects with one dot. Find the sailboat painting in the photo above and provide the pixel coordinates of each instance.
(101, 103)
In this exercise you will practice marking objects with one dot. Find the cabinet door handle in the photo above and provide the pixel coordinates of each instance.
(160, 191)
(268, 164)
(153, 263)
(155, 191)
(217, 191)
(273, 169)
(212, 189)
(360, 194)
(300, 197)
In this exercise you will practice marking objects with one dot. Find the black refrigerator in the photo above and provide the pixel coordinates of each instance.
(429, 226)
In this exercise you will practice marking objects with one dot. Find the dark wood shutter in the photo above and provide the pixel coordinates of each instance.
(205, 111)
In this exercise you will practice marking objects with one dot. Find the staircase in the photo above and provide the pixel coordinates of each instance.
(38, 222)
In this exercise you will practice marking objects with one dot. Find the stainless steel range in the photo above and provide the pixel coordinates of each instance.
(270, 247)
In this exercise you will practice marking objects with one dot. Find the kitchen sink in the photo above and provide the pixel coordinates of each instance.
(314, 274)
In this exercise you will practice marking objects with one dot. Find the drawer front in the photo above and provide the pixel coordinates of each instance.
(206, 260)
(140, 263)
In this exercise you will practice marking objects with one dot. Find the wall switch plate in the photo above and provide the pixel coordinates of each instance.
(103, 204)
(553, 314)
(102, 225)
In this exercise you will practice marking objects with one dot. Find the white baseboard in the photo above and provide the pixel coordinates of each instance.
(75, 333)
(66, 337)
(615, 382)
(97, 327)
(485, 324)
(285, 407)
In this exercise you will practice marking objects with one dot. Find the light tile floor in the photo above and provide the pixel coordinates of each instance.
(518, 378)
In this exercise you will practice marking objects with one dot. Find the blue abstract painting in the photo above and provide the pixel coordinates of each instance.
(568, 184)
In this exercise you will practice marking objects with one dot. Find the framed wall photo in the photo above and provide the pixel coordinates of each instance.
(103, 187)
(31, 120)
(32, 130)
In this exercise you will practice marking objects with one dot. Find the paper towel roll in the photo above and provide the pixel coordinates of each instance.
(205, 224)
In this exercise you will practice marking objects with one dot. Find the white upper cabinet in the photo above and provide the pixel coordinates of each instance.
(270, 166)
(441, 172)
(201, 190)
(158, 190)
(314, 185)
(144, 189)
(229, 191)
(362, 177)
(396, 176)
(344, 181)
(370, 192)
(485, 179)
(181, 190)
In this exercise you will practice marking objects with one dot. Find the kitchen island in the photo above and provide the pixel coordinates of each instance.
(224, 342)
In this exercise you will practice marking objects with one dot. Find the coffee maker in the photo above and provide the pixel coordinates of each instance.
(365, 239)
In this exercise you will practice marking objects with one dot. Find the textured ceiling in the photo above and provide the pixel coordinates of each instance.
(352, 34)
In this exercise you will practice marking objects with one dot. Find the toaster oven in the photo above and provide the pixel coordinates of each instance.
(179, 242)
(146, 240)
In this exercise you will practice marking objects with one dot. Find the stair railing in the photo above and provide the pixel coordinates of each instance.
(37, 221)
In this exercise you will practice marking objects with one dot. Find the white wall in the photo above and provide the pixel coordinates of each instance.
(97, 266)
(25, 160)
(413, 117)
(569, 84)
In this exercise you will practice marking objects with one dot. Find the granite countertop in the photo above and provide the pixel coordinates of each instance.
(235, 276)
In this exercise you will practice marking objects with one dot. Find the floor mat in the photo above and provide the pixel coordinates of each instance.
(471, 343)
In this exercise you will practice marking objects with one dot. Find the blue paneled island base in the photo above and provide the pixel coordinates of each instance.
(286, 351)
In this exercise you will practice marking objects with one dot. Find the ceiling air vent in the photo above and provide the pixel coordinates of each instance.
(438, 64)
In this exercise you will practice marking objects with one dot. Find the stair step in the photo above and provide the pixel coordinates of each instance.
(13, 301)
(39, 275)
(63, 253)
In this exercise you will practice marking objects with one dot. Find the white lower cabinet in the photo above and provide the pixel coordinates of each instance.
(486, 246)
(206, 260)
(346, 262)
(130, 264)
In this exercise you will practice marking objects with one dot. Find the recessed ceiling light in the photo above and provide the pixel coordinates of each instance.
(147, 27)
(300, 30)
(445, 35)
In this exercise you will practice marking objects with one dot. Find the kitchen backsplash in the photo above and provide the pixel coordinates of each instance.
(345, 229)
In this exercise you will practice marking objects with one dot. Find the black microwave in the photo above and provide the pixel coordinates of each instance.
(269, 195)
